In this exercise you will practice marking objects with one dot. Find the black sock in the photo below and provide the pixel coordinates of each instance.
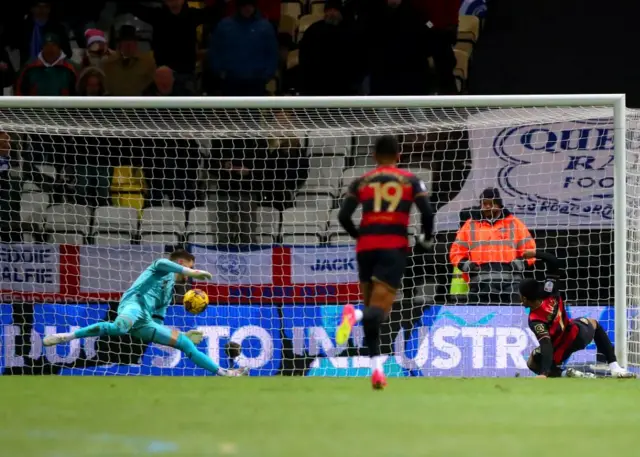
(371, 320)
(603, 343)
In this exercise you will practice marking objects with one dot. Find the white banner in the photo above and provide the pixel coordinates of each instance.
(114, 268)
(550, 175)
(236, 268)
(30, 268)
(323, 265)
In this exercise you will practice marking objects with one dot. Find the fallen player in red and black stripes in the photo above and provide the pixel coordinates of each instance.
(560, 336)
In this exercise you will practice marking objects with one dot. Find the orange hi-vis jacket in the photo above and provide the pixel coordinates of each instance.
(482, 241)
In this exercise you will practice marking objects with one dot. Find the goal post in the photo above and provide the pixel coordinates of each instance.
(282, 267)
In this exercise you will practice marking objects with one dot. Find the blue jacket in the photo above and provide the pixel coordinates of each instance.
(244, 49)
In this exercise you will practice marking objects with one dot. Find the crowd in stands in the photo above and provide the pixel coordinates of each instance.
(238, 47)
(210, 48)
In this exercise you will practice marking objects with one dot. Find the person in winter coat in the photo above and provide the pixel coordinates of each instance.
(27, 35)
(329, 55)
(50, 73)
(174, 36)
(129, 72)
(489, 250)
(398, 49)
(243, 52)
(91, 83)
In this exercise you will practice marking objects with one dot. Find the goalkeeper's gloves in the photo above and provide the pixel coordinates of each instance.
(198, 274)
(195, 336)
(467, 266)
(426, 243)
(233, 372)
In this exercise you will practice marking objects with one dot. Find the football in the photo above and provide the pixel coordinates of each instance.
(195, 301)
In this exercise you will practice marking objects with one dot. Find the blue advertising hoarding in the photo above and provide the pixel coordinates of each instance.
(447, 341)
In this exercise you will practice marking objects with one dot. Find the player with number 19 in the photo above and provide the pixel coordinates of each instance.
(386, 195)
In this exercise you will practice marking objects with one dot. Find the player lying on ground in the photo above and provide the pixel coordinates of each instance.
(143, 307)
(558, 335)
(387, 195)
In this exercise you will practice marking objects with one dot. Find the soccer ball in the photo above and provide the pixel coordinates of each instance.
(195, 301)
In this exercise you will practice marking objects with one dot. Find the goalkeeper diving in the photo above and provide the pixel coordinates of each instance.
(558, 335)
(143, 308)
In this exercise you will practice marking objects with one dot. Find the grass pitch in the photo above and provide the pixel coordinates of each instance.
(311, 417)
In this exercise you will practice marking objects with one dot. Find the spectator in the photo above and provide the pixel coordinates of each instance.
(489, 250)
(288, 80)
(170, 169)
(163, 84)
(329, 55)
(284, 171)
(127, 71)
(28, 34)
(50, 73)
(237, 164)
(9, 193)
(243, 52)
(91, 83)
(174, 37)
(97, 50)
(90, 156)
(7, 72)
(93, 169)
(398, 49)
(441, 18)
(270, 9)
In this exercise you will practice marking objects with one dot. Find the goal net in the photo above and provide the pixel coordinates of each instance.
(92, 196)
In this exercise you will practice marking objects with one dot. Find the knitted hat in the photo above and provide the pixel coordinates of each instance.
(491, 193)
(51, 38)
(94, 37)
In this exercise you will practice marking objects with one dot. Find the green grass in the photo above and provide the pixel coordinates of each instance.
(309, 417)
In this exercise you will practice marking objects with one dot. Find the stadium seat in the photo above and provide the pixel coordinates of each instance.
(290, 8)
(271, 87)
(340, 238)
(464, 46)
(461, 70)
(162, 225)
(33, 206)
(67, 223)
(268, 222)
(293, 58)
(351, 174)
(305, 21)
(424, 174)
(324, 174)
(201, 226)
(114, 225)
(288, 25)
(305, 238)
(317, 7)
(128, 187)
(334, 225)
(468, 28)
(310, 215)
(327, 143)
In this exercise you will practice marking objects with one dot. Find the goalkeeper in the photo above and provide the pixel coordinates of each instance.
(558, 335)
(143, 307)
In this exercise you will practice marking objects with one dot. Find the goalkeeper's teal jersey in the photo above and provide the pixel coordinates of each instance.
(153, 289)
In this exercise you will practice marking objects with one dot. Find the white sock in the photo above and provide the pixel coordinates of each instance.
(614, 367)
(376, 363)
(563, 374)
(358, 314)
